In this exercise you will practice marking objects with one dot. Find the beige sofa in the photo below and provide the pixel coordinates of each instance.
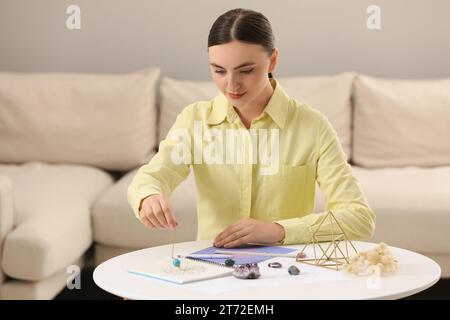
(71, 143)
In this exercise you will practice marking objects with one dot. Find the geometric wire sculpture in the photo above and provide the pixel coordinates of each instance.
(330, 254)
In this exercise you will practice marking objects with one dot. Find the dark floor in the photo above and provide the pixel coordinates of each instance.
(90, 291)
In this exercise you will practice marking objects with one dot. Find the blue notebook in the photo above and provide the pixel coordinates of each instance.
(244, 258)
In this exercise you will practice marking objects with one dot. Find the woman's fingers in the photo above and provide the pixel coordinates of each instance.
(147, 223)
(234, 235)
(238, 242)
(155, 221)
(238, 225)
(168, 212)
(158, 215)
(156, 212)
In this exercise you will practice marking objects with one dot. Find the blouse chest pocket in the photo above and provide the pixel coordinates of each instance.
(286, 172)
(284, 193)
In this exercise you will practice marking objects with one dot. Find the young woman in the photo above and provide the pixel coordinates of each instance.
(240, 202)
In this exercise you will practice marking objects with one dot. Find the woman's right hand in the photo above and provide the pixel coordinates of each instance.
(156, 212)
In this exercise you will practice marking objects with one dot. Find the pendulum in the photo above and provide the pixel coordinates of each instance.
(175, 261)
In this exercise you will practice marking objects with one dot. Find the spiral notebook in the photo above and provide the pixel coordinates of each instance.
(244, 258)
(200, 268)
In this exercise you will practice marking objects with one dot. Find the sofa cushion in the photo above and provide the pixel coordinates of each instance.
(412, 206)
(401, 122)
(52, 226)
(6, 215)
(176, 95)
(64, 118)
(115, 224)
(45, 289)
(328, 94)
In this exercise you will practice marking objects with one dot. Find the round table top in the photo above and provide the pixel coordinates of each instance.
(415, 273)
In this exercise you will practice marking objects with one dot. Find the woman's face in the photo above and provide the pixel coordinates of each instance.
(241, 69)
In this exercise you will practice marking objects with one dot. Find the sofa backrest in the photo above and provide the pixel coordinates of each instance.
(329, 94)
(107, 121)
(401, 122)
(110, 121)
(175, 94)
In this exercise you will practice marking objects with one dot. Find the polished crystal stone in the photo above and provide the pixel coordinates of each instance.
(274, 265)
(301, 255)
(246, 271)
(229, 262)
(293, 270)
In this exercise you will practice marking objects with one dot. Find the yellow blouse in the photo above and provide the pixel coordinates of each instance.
(308, 151)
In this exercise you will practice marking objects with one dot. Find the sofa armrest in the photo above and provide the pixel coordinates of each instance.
(6, 216)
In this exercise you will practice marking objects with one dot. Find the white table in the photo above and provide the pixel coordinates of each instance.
(415, 273)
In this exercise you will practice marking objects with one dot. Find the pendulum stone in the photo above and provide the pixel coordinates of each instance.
(275, 265)
(176, 262)
(293, 270)
(229, 262)
(246, 271)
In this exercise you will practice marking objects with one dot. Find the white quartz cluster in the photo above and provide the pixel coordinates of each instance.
(376, 261)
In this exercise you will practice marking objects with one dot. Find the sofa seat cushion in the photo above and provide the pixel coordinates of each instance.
(52, 226)
(115, 224)
(412, 206)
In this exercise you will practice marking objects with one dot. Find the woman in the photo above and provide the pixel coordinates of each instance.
(239, 202)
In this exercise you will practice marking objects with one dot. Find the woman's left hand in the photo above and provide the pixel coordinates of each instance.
(249, 230)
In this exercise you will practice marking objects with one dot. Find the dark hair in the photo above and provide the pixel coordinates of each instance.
(244, 25)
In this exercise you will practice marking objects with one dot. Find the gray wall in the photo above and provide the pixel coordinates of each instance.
(314, 37)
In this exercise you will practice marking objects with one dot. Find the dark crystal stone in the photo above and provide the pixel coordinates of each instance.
(229, 262)
(293, 270)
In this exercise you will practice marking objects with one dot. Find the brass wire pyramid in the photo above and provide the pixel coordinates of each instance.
(327, 248)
